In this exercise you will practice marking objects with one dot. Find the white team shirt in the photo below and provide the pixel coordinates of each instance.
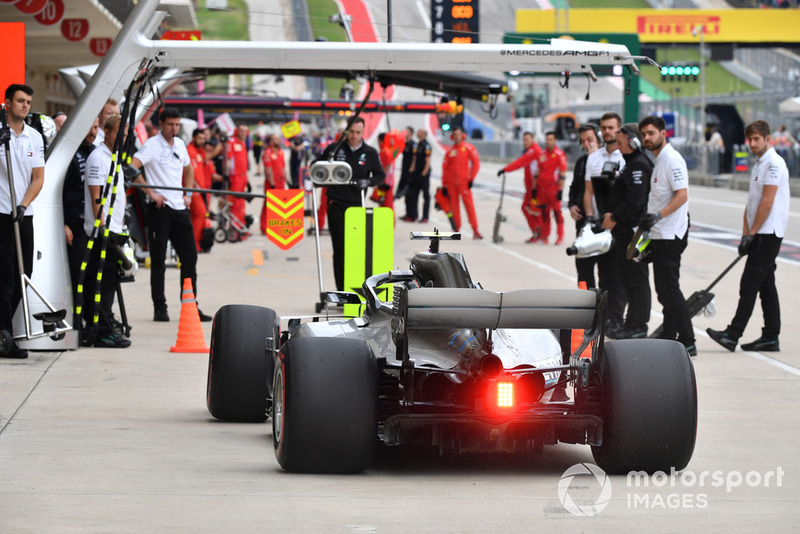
(27, 153)
(669, 175)
(98, 165)
(595, 162)
(164, 166)
(770, 169)
(100, 138)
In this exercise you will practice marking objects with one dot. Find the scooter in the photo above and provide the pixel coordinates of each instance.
(53, 321)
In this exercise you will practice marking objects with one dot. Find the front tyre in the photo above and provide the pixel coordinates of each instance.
(649, 397)
(325, 405)
(239, 367)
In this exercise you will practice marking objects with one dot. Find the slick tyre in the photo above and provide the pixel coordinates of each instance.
(649, 399)
(239, 366)
(325, 405)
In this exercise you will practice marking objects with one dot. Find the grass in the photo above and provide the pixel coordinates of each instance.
(319, 12)
(718, 80)
(223, 25)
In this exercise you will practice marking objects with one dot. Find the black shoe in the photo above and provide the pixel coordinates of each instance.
(691, 349)
(763, 344)
(611, 329)
(203, 317)
(88, 335)
(16, 353)
(722, 338)
(112, 340)
(161, 315)
(627, 332)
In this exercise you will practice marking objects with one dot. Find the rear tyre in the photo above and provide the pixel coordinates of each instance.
(239, 367)
(325, 405)
(649, 400)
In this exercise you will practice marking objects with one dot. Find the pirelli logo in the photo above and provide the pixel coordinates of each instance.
(678, 25)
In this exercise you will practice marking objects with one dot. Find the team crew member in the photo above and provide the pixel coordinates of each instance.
(166, 162)
(237, 169)
(609, 125)
(668, 221)
(765, 219)
(589, 142)
(528, 161)
(406, 176)
(366, 165)
(420, 176)
(549, 187)
(626, 204)
(27, 165)
(459, 169)
(72, 198)
(111, 107)
(97, 167)
(198, 209)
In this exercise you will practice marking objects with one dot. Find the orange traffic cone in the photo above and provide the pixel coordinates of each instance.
(190, 333)
(577, 335)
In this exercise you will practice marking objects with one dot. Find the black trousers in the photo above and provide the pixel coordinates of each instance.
(108, 286)
(666, 276)
(10, 285)
(418, 184)
(758, 279)
(628, 279)
(336, 228)
(166, 224)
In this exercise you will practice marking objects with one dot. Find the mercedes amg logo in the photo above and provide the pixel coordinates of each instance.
(574, 488)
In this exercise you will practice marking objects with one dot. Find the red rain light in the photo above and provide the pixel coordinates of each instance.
(505, 394)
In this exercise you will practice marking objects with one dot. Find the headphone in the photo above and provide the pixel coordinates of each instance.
(633, 139)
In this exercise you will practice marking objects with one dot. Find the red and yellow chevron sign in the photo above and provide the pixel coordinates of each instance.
(285, 217)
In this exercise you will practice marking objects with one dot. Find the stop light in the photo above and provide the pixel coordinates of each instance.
(679, 73)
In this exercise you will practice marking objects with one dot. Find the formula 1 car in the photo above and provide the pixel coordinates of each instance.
(449, 364)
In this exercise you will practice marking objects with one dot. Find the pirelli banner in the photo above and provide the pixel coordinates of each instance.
(669, 25)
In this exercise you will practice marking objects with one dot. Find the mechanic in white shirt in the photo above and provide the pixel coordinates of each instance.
(668, 221)
(766, 216)
(610, 123)
(26, 148)
(98, 167)
(166, 162)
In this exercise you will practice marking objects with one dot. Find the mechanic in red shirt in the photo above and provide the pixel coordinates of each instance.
(274, 172)
(530, 162)
(550, 186)
(459, 169)
(197, 209)
(237, 166)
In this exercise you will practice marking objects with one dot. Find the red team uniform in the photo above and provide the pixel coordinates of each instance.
(197, 209)
(529, 161)
(552, 166)
(237, 157)
(273, 159)
(460, 166)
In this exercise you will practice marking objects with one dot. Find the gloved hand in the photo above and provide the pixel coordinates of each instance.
(444, 192)
(745, 244)
(5, 135)
(533, 193)
(651, 219)
(501, 172)
(559, 195)
(384, 186)
(20, 213)
(469, 185)
(131, 173)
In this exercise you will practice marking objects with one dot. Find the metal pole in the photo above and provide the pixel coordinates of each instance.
(703, 153)
(389, 21)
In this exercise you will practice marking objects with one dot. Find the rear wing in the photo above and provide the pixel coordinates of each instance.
(481, 308)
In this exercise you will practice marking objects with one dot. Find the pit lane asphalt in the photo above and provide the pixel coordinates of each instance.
(106, 440)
